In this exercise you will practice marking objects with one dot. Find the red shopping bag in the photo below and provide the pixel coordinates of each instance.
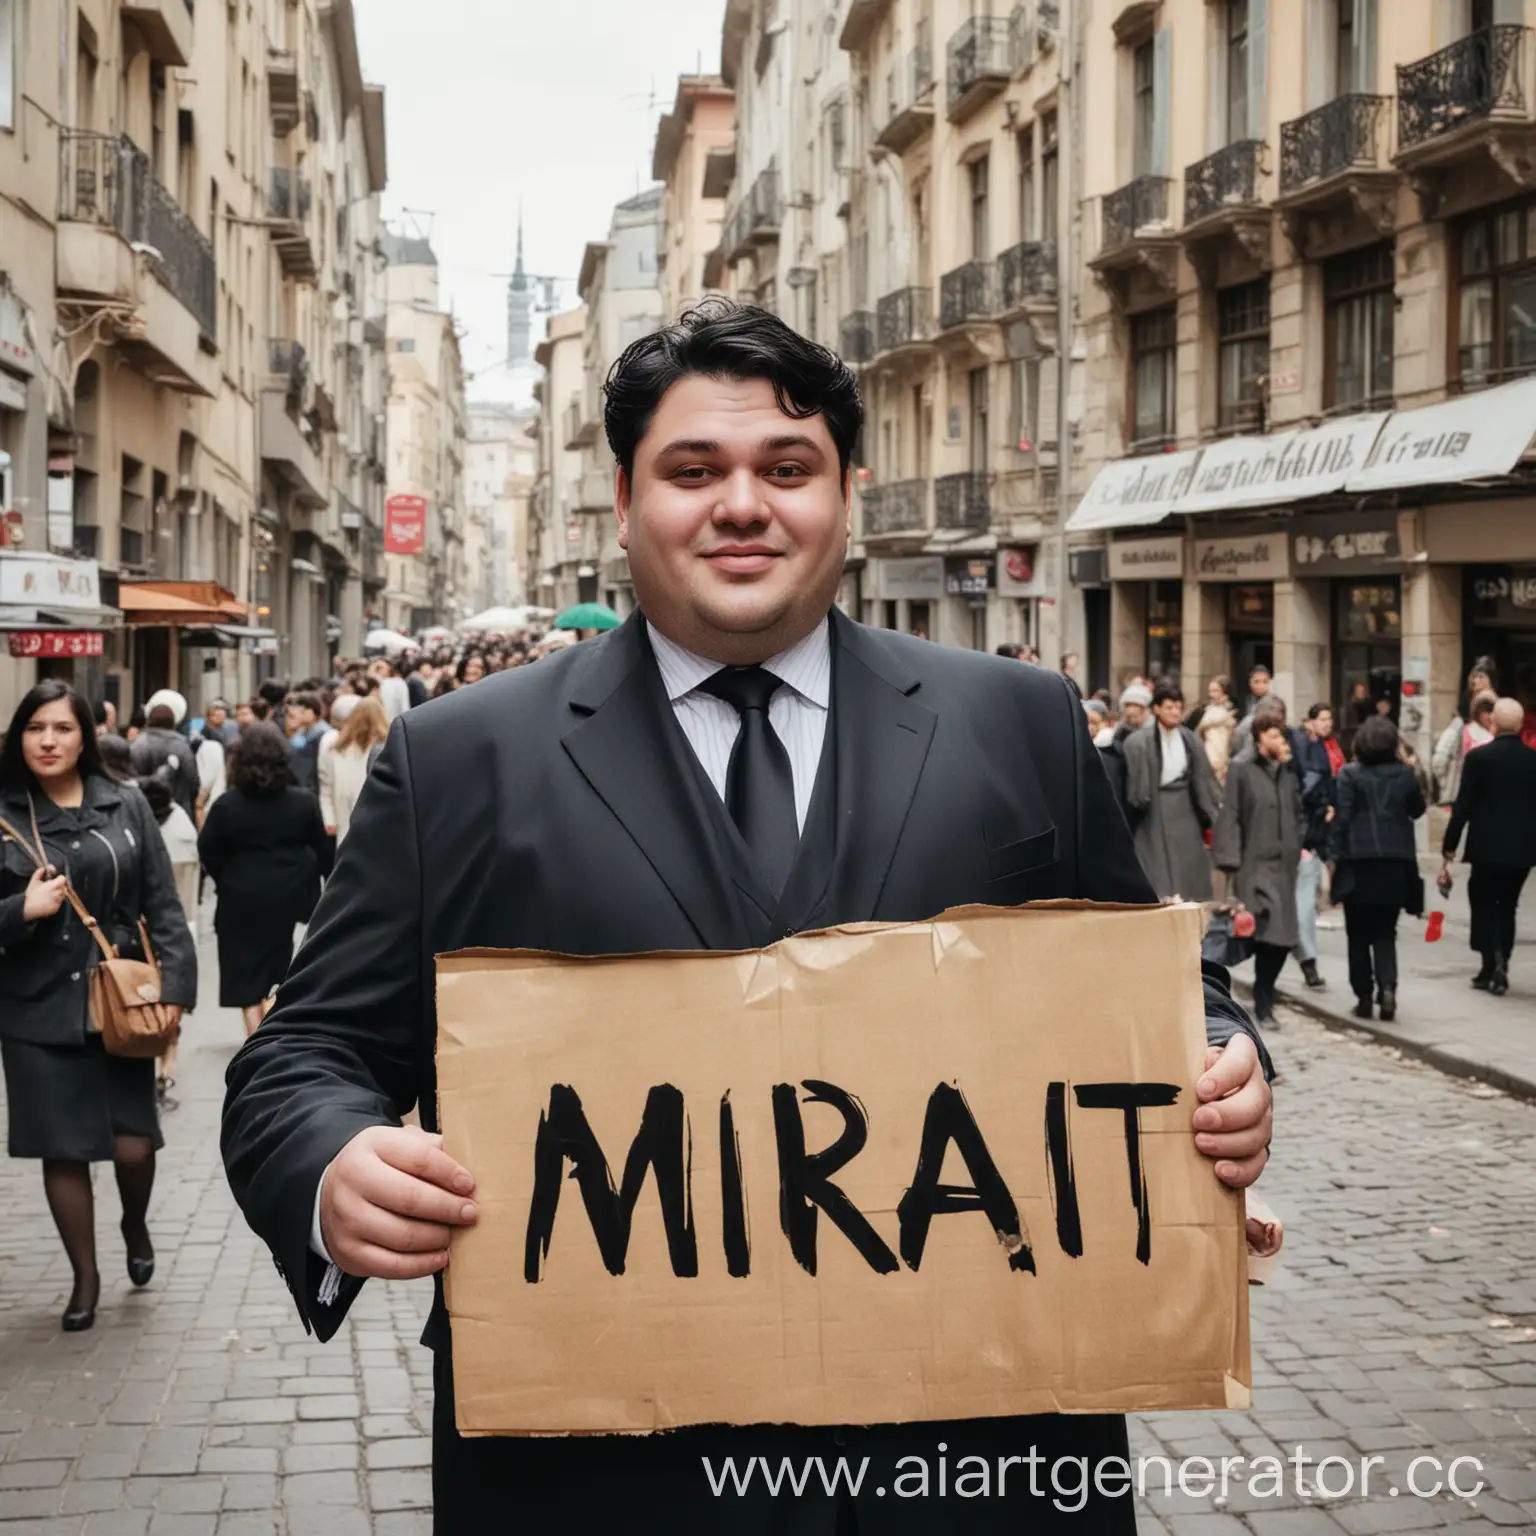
(1435, 929)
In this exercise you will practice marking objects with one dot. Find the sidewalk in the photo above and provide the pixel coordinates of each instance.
(1440, 1018)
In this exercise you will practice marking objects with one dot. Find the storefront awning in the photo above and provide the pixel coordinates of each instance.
(225, 636)
(182, 604)
(1132, 493)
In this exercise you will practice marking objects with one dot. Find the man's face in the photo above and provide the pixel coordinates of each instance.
(1134, 715)
(1322, 726)
(1272, 742)
(216, 716)
(736, 520)
(244, 714)
(1258, 685)
(1170, 713)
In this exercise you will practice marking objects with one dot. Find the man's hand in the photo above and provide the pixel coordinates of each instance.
(388, 1201)
(1236, 1115)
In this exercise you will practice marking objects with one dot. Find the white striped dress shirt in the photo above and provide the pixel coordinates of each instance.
(797, 712)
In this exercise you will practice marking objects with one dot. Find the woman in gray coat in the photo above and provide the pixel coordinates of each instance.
(1258, 840)
(71, 1104)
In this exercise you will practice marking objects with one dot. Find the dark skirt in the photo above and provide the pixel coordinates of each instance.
(70, 1101)
(254, 954)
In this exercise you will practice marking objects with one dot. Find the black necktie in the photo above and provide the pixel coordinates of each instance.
(759, 784)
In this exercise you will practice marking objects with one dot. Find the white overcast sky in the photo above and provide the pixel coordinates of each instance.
(489, 101)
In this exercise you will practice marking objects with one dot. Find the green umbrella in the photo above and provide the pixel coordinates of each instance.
(589, 616)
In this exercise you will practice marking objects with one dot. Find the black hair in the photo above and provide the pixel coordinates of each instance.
(1376, 741)
(1319, 709)
(99, 711)
(261, 761)
(721, 339)
(273, 692)
(1010, 650)
(1268, 717)
(1260, 671)
(116, 755)
(1165, 689)
(309, 701)
(14, 773)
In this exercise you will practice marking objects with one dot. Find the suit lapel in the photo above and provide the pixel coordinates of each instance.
(883, 736)
(630, 749)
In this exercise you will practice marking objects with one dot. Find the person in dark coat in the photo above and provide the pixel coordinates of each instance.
(1172, 797)
(266, 849)
(1258, 839)
(305, 723)
(1496, 808)
(71, 1104)
(160, 750)
(1374, 863)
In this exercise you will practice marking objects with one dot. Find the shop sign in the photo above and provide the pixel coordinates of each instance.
(15, 352)
(921, 578)
(1346, 546)
(33, 643)
(1132, 493)
(48, 581)
(405, 525)
(1261, 556)
(970, 575)
(1468, 438)
(1026, 572)
(1160, 559)
(1502, 591)
(1284, 466)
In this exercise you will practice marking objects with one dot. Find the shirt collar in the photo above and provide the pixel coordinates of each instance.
(806, 666)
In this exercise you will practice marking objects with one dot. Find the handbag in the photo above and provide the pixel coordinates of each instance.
(124, 995)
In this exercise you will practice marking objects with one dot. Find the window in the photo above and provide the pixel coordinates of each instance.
(1344, 49)
(979, 409)
(981, 235)
(1024, 418)
(1143, 106)
(1025, 143)
(1497, 321)
(1359, 305)
(8, 26)
(1237, 70)
(1050, 173)
(1242, 323)
(1153, 363)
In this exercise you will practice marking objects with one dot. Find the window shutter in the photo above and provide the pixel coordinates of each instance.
(1162, 102)
(1365, 47)
(1047, 410)
(1320, 47)
(1258, 69)
(1216, 81)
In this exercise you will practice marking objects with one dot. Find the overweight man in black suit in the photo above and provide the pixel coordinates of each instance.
(741, 763)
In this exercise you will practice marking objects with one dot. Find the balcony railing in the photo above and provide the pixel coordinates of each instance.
(756, 215)
(967, 293)
(1027, 272)
(287, 360)
(106, 180)
(1227, 179)
(856, 336)
(1341, 135)
(1133, 207)
(980, 54)
(909, 100)
(963, 501)
(1476, 76)
(288, 195)
(904, 316)
(901, 507)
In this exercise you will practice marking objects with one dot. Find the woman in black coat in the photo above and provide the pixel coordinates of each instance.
(1377, 799)
(266, 849)
(71, 1104)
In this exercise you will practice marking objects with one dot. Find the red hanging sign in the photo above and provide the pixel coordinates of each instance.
(405, 525)
(54, 643)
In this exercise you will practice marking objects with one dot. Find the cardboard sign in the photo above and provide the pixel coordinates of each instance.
(879, 1174)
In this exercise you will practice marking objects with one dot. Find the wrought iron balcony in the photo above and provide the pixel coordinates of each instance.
(979, 65)
(903, 317)
(288, 195)
(963, 502)
(287, 360)
(1478, 76)
(967, 293)
(901, 507)
(1341, 135)
(373, 554)
(1027, 274)
(1226, 180)
(856, 336)
(1132, 208)
(106, 180)
(755, 217)
(909, 101)
(288, 203)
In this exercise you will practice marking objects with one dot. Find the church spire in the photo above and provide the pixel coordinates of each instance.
(519, 277)
(520, 300)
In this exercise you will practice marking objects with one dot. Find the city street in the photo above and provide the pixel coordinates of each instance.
(1403, 1322)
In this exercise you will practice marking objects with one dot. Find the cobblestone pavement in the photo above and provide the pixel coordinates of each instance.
(1402, 1323)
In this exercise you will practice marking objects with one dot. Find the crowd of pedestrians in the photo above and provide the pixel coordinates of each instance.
(1265, 819)
(122, 829)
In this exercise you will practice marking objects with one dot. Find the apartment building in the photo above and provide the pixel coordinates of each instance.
(959, 290)
(1303, 435)
(427, 428)
(694, 159)
(500, 467)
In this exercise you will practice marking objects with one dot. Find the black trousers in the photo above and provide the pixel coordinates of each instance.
(1495, 898)
(1372, 932)
(1268, 962)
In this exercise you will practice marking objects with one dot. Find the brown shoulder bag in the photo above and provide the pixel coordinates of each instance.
(125, 1006)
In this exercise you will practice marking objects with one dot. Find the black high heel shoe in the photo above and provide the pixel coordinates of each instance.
(140, 1270)
(77, 1318)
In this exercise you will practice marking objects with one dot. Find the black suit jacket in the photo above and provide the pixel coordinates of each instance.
(559, 807)
(1496, 805)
